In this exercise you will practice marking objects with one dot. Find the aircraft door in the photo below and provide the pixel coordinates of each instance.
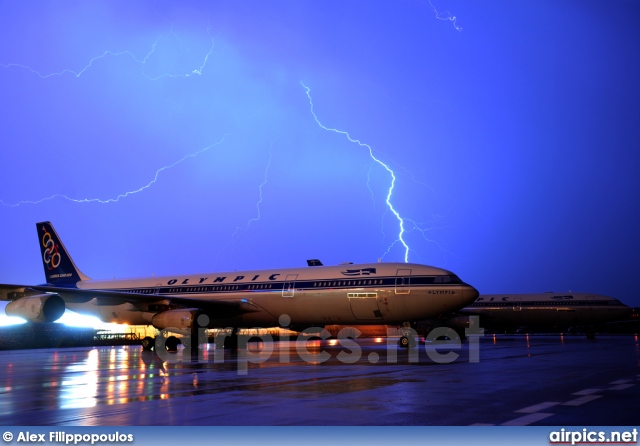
(403, 281)
(364, 306)
(288, 288)
(517, 303)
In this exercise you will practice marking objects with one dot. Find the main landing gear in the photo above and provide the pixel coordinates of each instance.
(231, 341)
(148, 344)
(170, 344)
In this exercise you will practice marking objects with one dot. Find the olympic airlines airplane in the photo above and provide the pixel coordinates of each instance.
(542, 311)
(377, 293)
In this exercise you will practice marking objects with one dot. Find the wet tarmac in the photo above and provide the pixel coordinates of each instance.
(503, 380)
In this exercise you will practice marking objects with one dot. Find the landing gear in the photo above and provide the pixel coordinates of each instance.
(148, 344)
(407, 340)
(192, 343)
(172, 344)
(230, 341)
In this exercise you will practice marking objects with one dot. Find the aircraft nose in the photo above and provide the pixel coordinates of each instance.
(465, 296)
(469, 294)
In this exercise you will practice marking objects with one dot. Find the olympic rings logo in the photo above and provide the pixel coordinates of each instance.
(51, 256)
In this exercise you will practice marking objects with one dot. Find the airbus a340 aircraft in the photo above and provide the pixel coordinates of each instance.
(543, 311)
(377, 293)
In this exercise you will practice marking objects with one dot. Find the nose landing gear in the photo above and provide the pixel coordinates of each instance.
(408, 332)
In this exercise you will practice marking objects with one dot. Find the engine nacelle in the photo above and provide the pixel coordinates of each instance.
(38, 308)
(175, 319)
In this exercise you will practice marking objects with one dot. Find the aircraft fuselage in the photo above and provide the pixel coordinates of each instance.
(384, 293)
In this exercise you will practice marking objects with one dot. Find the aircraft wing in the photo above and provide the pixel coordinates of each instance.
(225, 308)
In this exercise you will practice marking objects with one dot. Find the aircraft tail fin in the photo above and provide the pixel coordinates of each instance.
(59, 268)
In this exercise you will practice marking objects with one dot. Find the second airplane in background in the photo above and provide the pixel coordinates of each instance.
(542, 311)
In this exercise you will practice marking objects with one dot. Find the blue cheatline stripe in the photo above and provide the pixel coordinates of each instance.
(299, 285)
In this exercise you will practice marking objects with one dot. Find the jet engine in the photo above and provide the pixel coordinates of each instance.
(37, 308)
(175, 319)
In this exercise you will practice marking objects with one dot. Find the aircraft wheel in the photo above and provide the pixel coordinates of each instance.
(172, 344)
(148, 343)
(407, 342)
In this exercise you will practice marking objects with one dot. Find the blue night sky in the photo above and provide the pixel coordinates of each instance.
(163, 137)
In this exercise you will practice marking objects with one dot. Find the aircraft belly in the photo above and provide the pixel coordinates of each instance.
(306, 308)
(532, 317)
(262, 319)
(418, 305)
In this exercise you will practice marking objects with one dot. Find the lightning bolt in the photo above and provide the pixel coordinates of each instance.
(424, 230)
(264, 182)
(197, 71)
(123, 195)
(241, 230)
(390, 207)
(87, 66)
(142, 61)
(446, 15)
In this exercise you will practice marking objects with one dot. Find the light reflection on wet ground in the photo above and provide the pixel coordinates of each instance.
(127, 386)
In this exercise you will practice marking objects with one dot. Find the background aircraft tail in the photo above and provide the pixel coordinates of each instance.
(59, 269)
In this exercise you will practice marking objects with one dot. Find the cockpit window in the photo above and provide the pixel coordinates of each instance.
(447, 279)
